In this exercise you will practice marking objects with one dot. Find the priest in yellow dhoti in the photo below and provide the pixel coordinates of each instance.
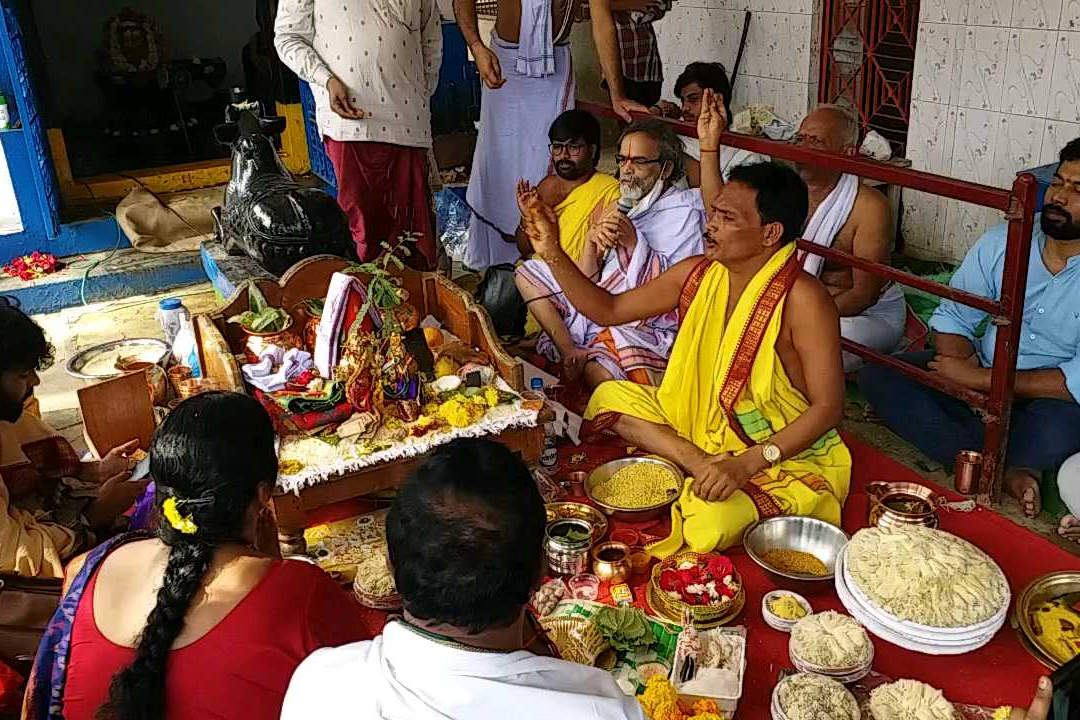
(755, 387)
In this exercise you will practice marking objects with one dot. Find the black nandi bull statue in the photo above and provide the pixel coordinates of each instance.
(268, 215)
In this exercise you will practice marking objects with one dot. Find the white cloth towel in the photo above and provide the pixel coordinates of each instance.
(827, 220)
(289, 364)
(536, 50)
(330, 334)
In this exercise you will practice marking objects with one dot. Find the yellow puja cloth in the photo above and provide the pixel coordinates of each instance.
(573, 214)
(574, 211)
(813, 483)
(27, 546)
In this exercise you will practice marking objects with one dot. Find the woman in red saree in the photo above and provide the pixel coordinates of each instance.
(195, 622)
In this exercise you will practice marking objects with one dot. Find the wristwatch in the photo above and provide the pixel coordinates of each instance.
(771, 452)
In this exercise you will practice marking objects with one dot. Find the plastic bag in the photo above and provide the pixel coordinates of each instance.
(452, 222)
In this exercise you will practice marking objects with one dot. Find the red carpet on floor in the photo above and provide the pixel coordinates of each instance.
(999, 673)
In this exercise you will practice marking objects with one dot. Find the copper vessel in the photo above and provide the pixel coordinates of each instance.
(969, 465)
(902, 503)
(255, 343)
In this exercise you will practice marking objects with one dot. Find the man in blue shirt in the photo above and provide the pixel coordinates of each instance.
(1045, 428)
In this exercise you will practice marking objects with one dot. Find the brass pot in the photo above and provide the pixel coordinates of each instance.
(255, 343)
(156, 382)
(902, 503)
(611, 562)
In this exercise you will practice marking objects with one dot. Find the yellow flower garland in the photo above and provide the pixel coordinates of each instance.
(181, 523)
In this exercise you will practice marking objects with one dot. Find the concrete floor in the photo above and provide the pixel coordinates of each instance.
(77, 328)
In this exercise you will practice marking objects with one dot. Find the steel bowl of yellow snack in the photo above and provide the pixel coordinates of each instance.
(634, 488)
(795, 548)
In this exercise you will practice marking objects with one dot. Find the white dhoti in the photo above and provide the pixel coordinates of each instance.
(512, 145)
(668, 231)
(880, 327)
(1068, 481)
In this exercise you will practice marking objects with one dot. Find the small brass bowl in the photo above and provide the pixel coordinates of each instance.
(902, 503)
(1040, 590)
(611, 562)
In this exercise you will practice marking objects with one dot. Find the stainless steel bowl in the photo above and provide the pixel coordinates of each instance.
(605, 471)
(98, 362)
(810, 535)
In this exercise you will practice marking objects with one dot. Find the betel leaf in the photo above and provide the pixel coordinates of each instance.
(574, 535)
(625, 629)
(245, 318)
(256, 300)
(315, 306)
(267, 320)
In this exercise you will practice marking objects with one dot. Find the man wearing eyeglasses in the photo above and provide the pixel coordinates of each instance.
(754, 388)
(576, 191)
(847, 215)
(657, 226)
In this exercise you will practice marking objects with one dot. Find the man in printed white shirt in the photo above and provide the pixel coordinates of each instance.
(373, 66)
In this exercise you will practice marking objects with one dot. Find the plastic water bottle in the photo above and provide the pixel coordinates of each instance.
(550, 456)
(171, 313)
(184, 351)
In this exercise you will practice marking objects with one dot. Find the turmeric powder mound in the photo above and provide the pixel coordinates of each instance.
(786, 607)
(795, 561)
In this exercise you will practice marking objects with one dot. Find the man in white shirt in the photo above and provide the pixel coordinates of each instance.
(372, 66)
(690, 88)
(466, 539)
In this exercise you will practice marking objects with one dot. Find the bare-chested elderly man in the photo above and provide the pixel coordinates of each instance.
(847, 215)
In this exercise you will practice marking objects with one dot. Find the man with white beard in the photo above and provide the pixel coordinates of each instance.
(652, 227)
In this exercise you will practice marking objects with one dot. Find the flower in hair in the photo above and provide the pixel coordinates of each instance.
(181, 523)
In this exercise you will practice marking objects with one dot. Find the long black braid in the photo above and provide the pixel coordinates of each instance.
(139, 690)
(195, 460)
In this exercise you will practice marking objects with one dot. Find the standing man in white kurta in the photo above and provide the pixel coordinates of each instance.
(373, 66)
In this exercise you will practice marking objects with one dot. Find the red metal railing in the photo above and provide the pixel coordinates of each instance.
(1006, 313)
(866, 60)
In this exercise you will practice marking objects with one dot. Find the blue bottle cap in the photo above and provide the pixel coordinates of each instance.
(537, 384)
(170, 304)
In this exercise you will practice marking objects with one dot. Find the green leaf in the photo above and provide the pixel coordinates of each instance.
(244, 319)
(263, 321)
(256, 300)
(315, 306)
(397, 262)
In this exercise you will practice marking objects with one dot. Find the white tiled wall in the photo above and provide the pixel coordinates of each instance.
(778, 65)
(996, 89)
